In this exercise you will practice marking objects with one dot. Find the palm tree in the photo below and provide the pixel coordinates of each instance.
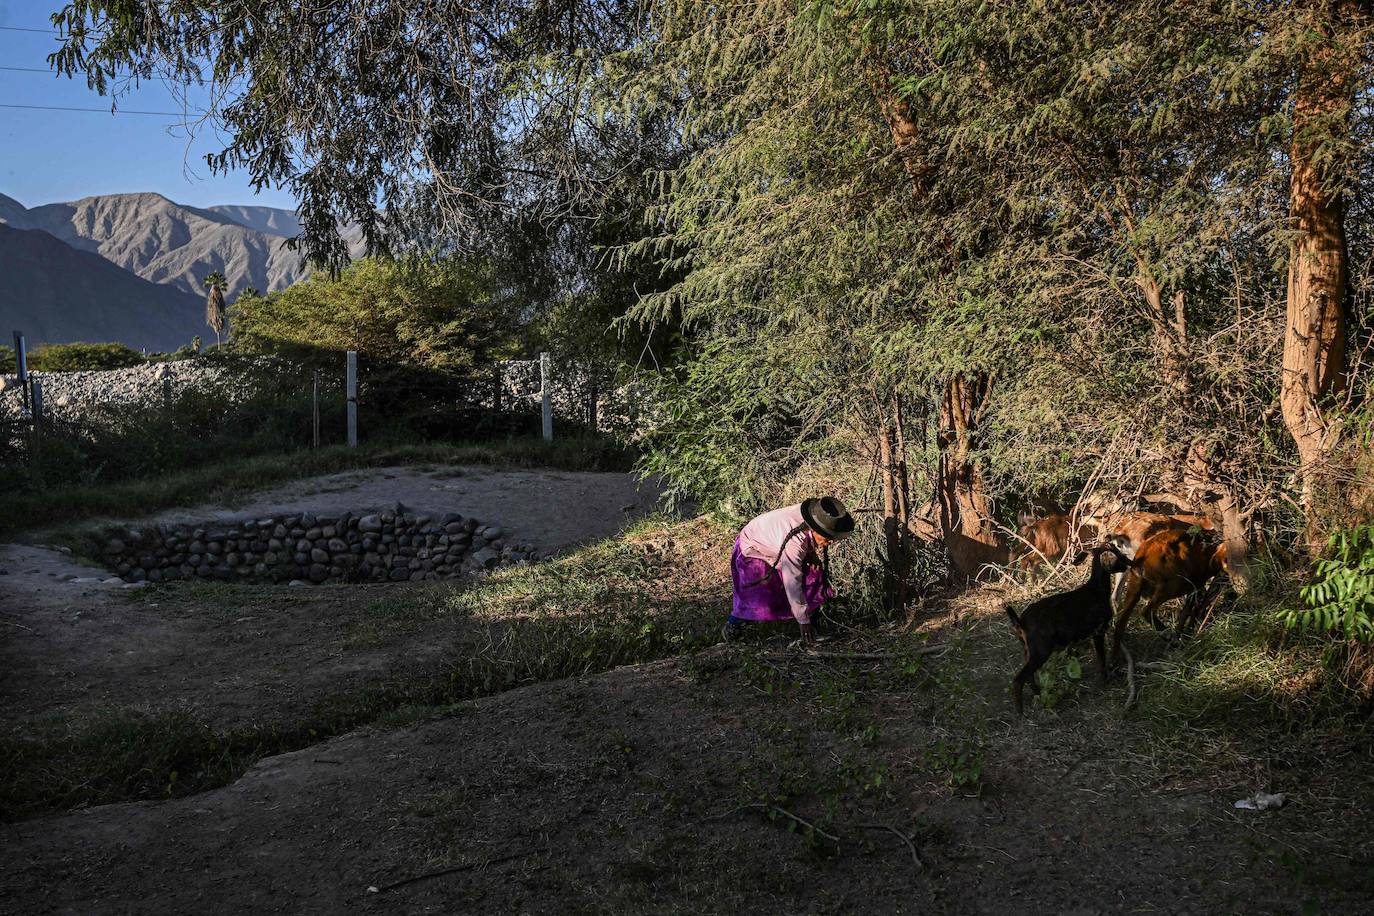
(214, 303)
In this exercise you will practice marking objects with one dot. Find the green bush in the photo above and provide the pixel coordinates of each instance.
(1340, 597)
(6, 360)
(76, 357)
(183, 352)
(436, 316)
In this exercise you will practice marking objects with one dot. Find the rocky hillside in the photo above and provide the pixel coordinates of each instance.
(130, 267)
(57, 294)
(165, 242)
(12, 212)
(267, 220)
(276, 221)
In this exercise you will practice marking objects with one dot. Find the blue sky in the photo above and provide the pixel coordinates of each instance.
(49, 156)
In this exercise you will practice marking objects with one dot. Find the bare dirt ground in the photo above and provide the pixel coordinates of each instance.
(673, 786)
(553, 510)
(244, 653)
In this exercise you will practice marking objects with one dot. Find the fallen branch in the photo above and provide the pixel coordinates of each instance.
(449, 871)
(757, 806)
(1130, 677)
(805, 823)
(911, 847)
(915, 857)
(871, 656)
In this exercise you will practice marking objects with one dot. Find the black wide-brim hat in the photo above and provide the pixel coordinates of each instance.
(827, 515)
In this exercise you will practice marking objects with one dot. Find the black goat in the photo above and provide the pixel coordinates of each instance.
(1058, 621)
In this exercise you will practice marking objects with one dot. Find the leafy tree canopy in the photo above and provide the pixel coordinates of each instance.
(411, 313)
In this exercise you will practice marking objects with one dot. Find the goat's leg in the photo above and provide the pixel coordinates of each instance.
(1100, 647)
(1026, 674)
(1131, 598)
(1192, 608)
(1208, 602)
(1186, 613)
(1152, 611)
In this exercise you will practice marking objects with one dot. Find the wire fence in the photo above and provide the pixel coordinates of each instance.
(64, 427)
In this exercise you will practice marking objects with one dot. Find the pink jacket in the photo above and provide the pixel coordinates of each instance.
(762, 538)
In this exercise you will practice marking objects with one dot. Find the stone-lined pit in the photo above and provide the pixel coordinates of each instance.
(394, 546)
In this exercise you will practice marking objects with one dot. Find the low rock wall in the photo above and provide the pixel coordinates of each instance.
(72, 393)
(398, 546)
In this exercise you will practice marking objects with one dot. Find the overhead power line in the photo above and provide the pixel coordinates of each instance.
(30, 69)
(171, 114)
(15, 28)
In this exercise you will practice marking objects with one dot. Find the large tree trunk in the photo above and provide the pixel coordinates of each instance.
(965, 509)
(1315, 335)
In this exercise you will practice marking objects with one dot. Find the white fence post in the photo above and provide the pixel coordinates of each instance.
(544, 379)
(352, 398)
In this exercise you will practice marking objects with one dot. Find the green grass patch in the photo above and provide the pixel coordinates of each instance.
(118, 755)
(1247, 695)
(1245, 670)
(232, 481)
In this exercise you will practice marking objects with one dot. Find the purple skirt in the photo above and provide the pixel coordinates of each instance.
(759, 592)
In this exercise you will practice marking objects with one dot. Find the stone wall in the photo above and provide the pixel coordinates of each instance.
(71, 393)
(397, 546)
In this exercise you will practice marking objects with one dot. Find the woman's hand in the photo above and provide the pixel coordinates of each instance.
(808, 636)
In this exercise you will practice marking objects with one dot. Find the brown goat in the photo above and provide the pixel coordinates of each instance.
(1046, 539)
(1172, 563)
(1128, 532)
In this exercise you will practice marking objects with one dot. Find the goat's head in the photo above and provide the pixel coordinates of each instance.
(1105, 557)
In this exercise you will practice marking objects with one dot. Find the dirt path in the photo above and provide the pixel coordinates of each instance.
(233, 654)
(621, 793)
(553, 510)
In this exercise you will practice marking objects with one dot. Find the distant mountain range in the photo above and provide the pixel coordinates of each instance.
(130, 267)
(57, 294)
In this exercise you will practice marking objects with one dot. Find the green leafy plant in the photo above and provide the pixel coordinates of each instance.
(1056, 676)
(958, 763)
(1340, 597)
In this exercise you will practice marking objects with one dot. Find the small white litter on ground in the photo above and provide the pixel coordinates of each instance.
(1262, 801)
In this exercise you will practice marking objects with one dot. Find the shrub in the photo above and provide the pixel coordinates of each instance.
(1340, 597)
(76, 357)
(185, 351)
(435, 316)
